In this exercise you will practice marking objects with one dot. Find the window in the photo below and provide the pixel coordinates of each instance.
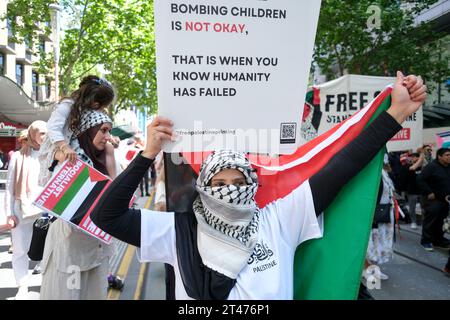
(9, 25)
(19, 74)
(2, 63)
(48, 87)
(42, 46)
(28, 49)
(35, 81)
(11, 44)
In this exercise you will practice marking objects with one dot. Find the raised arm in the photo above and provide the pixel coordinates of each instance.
(418, 163)
(112, 213)
(346, 164)
(407, 96)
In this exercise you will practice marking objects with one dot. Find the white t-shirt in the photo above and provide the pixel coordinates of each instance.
(268, 275)
(160, 193)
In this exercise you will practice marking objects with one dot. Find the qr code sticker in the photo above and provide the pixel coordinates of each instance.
(288, 133)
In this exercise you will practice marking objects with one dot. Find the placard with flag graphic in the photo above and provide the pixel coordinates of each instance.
(72, 194)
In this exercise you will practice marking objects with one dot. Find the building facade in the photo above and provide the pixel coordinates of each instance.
(25, 95)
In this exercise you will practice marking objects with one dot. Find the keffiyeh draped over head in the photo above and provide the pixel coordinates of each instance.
(227, 216)
(90, 123)
(90, 119)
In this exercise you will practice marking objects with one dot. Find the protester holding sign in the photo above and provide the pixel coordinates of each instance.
(21, 189)
(210, 246)
(75, 264)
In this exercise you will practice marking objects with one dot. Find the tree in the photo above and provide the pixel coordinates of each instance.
(29, 19)
(115, 37)
(350, 38)
(117, 34)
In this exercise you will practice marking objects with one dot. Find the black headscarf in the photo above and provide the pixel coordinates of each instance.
(90, 123)
(98, 157)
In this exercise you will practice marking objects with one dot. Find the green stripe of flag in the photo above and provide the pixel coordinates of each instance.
(71, 192)
(331, 267)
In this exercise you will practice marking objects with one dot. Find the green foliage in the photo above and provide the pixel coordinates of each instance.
(116, 36)
(345, 40)
(28, 18)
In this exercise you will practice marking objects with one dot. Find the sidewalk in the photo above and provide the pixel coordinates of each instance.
(8, 288)
(413, 272)
(143, 281)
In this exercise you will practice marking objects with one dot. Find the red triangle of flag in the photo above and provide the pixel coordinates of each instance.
(95, 175)
(275, 184)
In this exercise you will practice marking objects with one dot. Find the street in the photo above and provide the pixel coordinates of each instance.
(413, 272)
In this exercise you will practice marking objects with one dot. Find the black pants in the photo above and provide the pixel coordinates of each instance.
(435, 212)
(170, 282)
(448, 261)
(144, 183)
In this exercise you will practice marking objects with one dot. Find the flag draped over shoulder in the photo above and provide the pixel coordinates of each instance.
(330, 267)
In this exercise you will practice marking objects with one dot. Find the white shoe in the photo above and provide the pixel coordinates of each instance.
(368, 273)
(413, 225)
(383, 276)
(37, 269)
(22, 294)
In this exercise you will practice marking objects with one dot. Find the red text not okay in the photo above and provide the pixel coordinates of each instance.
(215, 27)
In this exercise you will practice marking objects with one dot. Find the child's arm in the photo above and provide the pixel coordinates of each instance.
(57, 122)
(56, 125)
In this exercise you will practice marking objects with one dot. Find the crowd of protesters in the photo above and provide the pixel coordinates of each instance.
(422, 185)
(79, 128)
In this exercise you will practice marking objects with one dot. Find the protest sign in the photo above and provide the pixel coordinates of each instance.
(72, 194)
(331, 103)
(232, 74)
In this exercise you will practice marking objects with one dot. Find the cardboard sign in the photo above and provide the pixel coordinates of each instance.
(72, 194)
(232, 74)
(331, 103)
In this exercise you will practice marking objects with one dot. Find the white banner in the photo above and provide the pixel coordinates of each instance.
(232, 74)
(335, 101)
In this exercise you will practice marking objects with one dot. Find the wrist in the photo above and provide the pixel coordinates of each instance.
(397, 114)
(149, 154)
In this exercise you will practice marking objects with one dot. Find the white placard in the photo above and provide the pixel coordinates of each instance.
(233, 74)
(343, 97)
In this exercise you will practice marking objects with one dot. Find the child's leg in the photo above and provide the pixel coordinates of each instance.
(110, 160)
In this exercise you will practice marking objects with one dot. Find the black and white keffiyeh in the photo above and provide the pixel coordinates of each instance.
(227, 216)
(90, 119)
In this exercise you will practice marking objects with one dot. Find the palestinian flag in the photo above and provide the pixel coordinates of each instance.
(73, 193)
(326, 268)
(443, 139)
